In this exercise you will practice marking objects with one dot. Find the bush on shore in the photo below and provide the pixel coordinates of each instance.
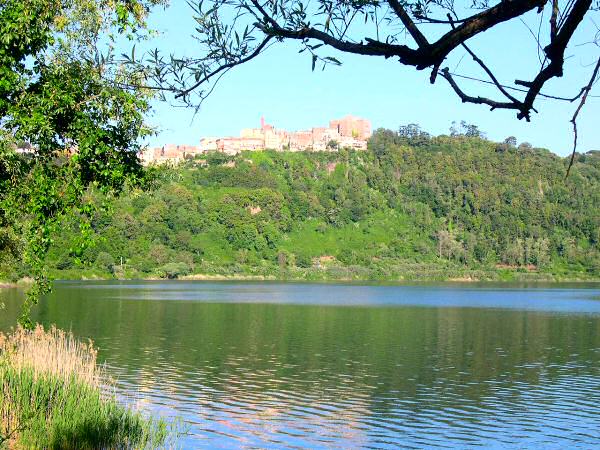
(54, 395)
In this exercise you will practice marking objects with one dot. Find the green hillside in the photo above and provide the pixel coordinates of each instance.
(411, 207)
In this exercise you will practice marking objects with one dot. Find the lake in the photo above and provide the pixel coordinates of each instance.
(255, 364)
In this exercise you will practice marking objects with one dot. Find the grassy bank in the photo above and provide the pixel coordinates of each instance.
(53, 395)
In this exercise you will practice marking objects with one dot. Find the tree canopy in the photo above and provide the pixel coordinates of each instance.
(413, 206)
(70, 119)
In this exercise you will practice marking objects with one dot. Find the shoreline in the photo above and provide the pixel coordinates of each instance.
(26, 281)
(467, 279)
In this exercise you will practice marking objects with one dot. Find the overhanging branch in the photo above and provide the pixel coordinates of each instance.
(272, 21)
(586, 90)
(493, 104)
(408, 23)
(555, 52)
(229, 65)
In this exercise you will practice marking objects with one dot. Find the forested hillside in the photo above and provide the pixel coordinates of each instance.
(411, 207)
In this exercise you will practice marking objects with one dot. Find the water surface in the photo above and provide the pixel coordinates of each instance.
(348, 366)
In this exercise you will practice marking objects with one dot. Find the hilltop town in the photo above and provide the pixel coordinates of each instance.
(348, 132)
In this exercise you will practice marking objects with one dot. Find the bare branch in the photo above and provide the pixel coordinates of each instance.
(408, 23)
(493, 104)
(586, 91)
(486, 69)
(423, 57)
(229, 65)
(555, 52)
(265, 15)
(512, 88)
(481, 22)
(536, 38)
(329, 24)
(426, 19)
(371, 48)
(553, 18)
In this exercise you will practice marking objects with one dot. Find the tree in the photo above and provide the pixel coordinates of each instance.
(414, 134)
(282, 260)
(415, 33)
(508, 144)
(409, 131)
(75, 113)
(525, 147)
(466, 129)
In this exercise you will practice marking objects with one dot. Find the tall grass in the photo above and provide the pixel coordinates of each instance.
(54, 395)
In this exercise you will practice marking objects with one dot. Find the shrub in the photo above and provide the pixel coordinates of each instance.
(303, 260)
(173, 270)
(105, 261)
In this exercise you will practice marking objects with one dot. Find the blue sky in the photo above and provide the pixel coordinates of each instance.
(280, 86)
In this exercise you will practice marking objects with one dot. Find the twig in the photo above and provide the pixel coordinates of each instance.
(493, 104)
(252, 55)
(512, 88)
(485, 68)
(586, 90)
(408, 23)
(553, 18)
(436, 21)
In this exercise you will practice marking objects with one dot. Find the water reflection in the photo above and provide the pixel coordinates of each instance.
(298, 371)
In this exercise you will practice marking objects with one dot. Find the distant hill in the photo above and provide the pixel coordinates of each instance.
(410, 207)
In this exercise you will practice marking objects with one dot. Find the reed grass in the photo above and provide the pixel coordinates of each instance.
(54, 395)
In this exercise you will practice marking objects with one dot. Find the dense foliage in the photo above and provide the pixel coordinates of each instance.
(69, 119)
(411, 207)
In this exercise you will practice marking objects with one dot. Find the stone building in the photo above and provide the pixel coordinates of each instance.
(169, 152)
(352, 126)
(347, 132)
(234, 145)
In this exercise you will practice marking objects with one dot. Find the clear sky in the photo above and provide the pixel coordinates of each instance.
(280, 86)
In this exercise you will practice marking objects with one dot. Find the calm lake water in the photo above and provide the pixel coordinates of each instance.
(347, 366)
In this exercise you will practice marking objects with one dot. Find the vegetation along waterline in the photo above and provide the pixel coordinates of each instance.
(54, 395)
(411, 207)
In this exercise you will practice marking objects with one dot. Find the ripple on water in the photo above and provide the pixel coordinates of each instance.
(465, 367)
(254, 409)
